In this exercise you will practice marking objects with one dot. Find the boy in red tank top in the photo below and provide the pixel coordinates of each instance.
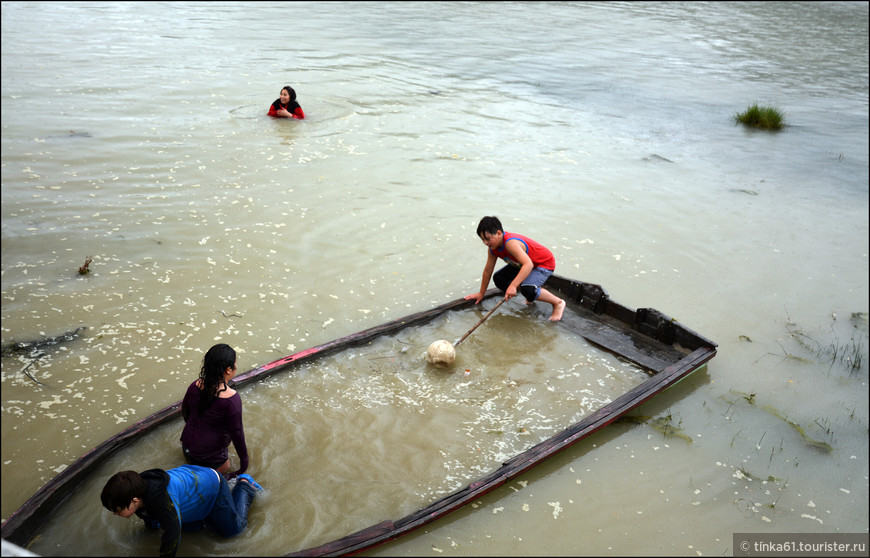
(529, 264)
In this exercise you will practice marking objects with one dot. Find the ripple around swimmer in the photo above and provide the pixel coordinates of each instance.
(323, 117)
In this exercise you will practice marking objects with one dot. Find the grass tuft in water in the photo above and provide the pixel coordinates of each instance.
(850, 354)
(816, 444)
(662, 424)
(768, 118)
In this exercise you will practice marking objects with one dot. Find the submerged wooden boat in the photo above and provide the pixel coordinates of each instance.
(664, 348)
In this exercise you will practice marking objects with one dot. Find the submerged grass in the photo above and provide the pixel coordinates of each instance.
(768, 118)
(851, 354)
(662, 424)
(811, 442)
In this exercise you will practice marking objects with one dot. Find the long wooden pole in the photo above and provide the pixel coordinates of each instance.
(494, 308)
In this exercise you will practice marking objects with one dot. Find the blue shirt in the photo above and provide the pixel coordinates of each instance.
(194, 491)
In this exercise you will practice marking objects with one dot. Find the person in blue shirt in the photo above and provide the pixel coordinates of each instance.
(186, 498)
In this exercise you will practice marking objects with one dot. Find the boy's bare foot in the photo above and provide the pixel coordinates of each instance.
(557, 311)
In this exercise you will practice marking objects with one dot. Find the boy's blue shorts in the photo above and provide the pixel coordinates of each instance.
(531, 286)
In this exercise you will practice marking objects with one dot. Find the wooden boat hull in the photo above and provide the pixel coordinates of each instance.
(667, 350)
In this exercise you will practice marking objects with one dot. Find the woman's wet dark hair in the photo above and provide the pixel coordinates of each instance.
(290, 91)
(214, 364)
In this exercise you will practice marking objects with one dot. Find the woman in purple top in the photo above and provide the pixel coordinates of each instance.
(212, 414)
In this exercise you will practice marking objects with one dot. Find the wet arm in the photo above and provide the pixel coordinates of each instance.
(237, 435)
(484, 280)
(165, 514)
(516, 249)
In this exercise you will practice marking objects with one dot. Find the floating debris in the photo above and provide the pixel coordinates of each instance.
(745, 191)
(657, 159)
(84, 270)
(557, 509)
(33, 347)
(29, 375)
(72, 134)
(34, 350)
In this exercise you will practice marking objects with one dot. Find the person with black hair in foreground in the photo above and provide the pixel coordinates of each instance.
(186, 498)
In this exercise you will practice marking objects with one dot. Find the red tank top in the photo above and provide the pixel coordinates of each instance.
(538, 253)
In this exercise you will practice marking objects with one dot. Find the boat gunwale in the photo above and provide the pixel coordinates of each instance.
(21, 527)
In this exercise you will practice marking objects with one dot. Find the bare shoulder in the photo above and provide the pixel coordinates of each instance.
(515, 248)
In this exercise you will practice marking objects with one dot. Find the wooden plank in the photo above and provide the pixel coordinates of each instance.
(626, 343)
